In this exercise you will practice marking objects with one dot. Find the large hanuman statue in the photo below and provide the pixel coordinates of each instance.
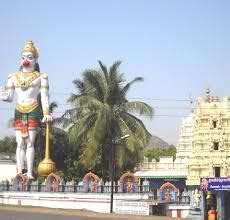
(28, 83)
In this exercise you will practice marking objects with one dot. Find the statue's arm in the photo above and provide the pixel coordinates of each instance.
(45, 97)
(7, 94)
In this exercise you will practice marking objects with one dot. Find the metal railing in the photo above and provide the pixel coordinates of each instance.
(178, 199)
(41, 187)
(67, 188)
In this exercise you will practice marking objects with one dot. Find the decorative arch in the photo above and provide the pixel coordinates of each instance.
(90, 182)
(19, 182)
(168, 184)
(52, 182)
(128, 183)
(90, 174)
(168, 192)
(128, 174)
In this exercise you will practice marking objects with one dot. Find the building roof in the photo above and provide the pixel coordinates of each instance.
(158, 174)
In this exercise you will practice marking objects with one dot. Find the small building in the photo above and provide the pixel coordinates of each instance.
(159, 173)
(167, 170)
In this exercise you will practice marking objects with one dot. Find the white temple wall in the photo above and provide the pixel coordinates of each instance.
(124, 203)
(7, 170)
(97, 202)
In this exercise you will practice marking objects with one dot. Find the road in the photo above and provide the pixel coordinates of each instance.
(38, 213)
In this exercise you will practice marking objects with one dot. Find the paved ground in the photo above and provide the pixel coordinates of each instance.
(40, 213)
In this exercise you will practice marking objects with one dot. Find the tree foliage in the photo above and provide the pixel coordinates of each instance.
(8, 144)
(156, 152)
(102, 116)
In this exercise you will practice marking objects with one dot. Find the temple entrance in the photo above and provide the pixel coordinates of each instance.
(168, 192)
(159, 210)
(128, 183)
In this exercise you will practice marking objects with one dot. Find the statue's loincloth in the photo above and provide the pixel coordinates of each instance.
(27, 120)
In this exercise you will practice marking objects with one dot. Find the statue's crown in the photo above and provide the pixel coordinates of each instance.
(29, 47)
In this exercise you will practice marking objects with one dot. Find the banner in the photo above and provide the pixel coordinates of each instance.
(215, 183)
(132, 208)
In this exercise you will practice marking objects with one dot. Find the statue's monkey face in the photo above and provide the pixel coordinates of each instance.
(28, 60)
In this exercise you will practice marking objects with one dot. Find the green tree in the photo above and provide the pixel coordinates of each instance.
(156, 152)
(102, 117)
(8, 144)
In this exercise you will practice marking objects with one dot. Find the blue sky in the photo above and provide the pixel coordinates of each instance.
(179, 47)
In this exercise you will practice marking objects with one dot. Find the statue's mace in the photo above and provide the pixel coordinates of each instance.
(46, 166)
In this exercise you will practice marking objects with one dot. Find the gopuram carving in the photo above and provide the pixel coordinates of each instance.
(210, 155)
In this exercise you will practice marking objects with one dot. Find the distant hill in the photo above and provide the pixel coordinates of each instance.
(157, 142)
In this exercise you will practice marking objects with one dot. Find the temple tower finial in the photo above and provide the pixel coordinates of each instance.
(207, 94)
(191, 103)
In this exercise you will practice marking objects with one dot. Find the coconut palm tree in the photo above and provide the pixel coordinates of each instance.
(102, 117)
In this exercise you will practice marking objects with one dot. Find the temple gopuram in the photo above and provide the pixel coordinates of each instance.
(202, 165)
(209, 163)
(211, 140)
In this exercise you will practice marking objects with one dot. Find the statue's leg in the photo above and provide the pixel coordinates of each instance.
(30, 152)
(20, 151)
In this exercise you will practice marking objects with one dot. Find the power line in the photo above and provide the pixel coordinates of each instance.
(161, 99)
(154, 107)
(59, 93)
(138, 98)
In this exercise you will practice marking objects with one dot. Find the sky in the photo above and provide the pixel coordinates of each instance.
(179, 47)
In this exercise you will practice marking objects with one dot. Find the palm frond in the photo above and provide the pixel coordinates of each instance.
(52, 107)
(131, 140)
(101, 125)
(80, 129)
(87, 102)
(113, 71)
(75, 113)
(62, 121)
(140, 108)
(137, 127)
(73, 97)
(94, 84)
(80, 86)
(104, 70)
(128, 85)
